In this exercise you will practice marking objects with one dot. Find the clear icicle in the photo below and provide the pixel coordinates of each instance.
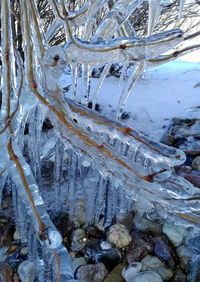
(129, 86)
(74, 81)
(154, 13)
(100, 83)
(58, 168)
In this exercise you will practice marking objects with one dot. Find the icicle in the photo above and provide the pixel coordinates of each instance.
(58, 167)
(86, 80)
(129, 86)
(74, 81)
(154, 13)
(181, 6)
(124, 68)
(101, 80)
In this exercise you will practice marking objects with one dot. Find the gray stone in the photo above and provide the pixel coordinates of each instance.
(27, 271)
(176, 234)
(196, 163)
(184, 255)
(146, 225)
(155, 264)
(16, 235)
(115, 274)
(193, 269)
(130, 271)
(119, 235)
(79, 239)
(78, 262)
(147, 276)
(91, 273)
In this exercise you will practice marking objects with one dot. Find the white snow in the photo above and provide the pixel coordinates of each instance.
(166, 91)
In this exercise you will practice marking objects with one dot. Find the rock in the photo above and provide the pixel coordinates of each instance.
(119, 235)
(78, 262)
(179, 276)
(27, 271)
(161, 249)
(130, 271)
(80, 212)
(94, 232)
(125, 219)
(184, 255)
(110, 257)
(3, 253)
(146, 225)
(24, 251)
(193, 269)
(79, 239)
(155, 264)
(6, 272)
(115, 274)
(91, 273)
(196, 163)
(16, 235)
(140, 246)
(194, 179)
(6, 235)
(147, 276)
(175, 233)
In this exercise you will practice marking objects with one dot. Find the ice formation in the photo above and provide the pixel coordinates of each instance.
(110, 167)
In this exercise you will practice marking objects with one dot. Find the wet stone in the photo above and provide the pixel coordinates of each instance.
(161, 249)
(146, 225)
(179, 276)
(119, 235)
(196, 163)
(91, 273)
(155, 264)
(27, 271)
(147, 276)
(175, 233)
(79, 239)
(130, 271)
(78, 262)
(110, 257)
(115, 274)
(6, 272)
(184, 255)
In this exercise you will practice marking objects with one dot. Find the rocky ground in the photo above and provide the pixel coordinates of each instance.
(132, 249)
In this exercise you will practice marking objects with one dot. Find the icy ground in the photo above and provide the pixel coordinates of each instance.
(167, 91)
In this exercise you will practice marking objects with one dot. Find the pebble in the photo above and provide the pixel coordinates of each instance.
(23, 251)
(119, 235)
(155, 264)
(115, 274)
(130, 271)
(179, 276)
(6, 272)
(78, 262)
(27, 271)
(91, 273)
(94, 232)
(184, 255)
(147, 276)
(110, 256)
(79, 239)
(175, 233)
(146, 225)
(80, 212)
(125, 219)
(196, 163)
(16, 235)
(161, 249)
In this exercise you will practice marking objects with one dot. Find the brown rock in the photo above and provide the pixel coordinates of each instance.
(6, 272)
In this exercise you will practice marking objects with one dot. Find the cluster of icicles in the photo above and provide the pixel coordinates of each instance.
(110, 167)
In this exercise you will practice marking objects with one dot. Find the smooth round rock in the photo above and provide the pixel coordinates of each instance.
(119, 235)
(152, 263)
(176, 234)
(147, 276)
(196, 163)
(115, 274)
(27, 271)
(91, 273)
(146, 225)
(78, 262)
(79, 239)
(130, 271)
